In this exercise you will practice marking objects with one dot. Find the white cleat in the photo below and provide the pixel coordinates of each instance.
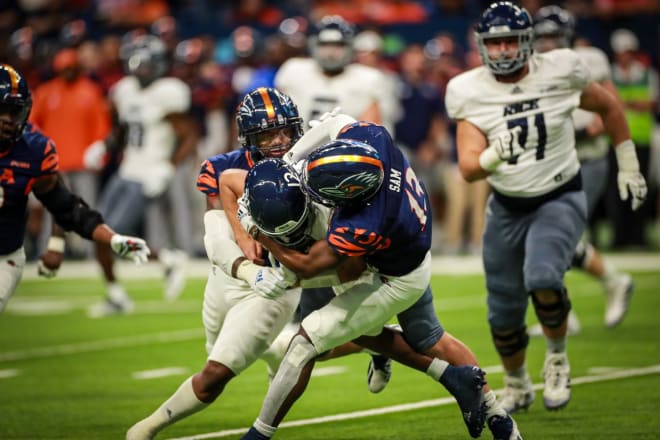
(573, 328)
(139, 432)
(518, 393)
(110, 308)
(175, 262)
(618, 290)
(379, 373)
(557, 381)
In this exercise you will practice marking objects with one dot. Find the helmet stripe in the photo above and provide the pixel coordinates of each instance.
(345, 158)
(270, 110)
(14, 77)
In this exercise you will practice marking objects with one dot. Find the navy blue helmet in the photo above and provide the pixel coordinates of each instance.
(505, 20)
(262, 110)
(15, 99)
(554, 22)
(276, 202)
(344, 172)
(144, 56)
(333, 30)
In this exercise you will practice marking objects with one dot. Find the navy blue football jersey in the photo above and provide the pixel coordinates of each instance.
(207, 180)
(32, 157)
(393, 230)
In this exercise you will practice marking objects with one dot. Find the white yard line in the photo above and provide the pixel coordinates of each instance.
(621, 374)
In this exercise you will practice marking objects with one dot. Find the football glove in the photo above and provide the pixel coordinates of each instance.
(131, 248)
(630, 181)
(503, 148)
(245, 218)
(325, 116)
(51, 260)
(94, 157)
(267, 282)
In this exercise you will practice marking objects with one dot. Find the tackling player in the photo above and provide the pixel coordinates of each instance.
(29, 163)
(346, 174)
(514, 128)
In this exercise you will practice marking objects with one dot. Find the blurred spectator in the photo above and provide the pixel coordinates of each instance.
(637, 85)
(71, 109)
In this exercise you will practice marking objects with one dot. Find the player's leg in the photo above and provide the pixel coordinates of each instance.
(122, 206)
(423, 331)
(11, 270)
(239, 325)
(507, 301)
(361, 310)
(549, 247)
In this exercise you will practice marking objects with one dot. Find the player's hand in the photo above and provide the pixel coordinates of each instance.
(507, 145)
(94, 157)
(49, 263)
(325, 116)
(252, 249)
(245, 218)
(630, 181)
(269, 283)
(132, 248)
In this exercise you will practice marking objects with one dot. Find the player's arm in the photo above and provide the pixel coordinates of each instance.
(73, 214)
(231, 183)
(470, 144)
(186, 131)
(51, 260)
(372, 113)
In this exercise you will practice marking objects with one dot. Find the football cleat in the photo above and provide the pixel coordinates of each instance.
(253, 434)
(175, 262)
(557, 381)
(518, 393)
(117, 302)
(139, 432)
(503, 428)
(619, 290)
(573, 328)
(466, 383)
(379, 373)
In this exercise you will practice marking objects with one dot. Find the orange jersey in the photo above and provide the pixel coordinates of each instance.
(74, 115)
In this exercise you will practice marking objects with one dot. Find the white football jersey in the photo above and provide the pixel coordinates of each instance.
(541, 104)
(150, 138)
(353, 90)
(599, 71)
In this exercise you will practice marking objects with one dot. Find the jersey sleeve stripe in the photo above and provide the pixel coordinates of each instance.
(50, 162)
(343, 246)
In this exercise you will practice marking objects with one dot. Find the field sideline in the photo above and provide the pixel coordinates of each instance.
(65, 376)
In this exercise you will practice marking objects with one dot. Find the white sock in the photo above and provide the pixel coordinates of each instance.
(519, 373)
(181, 404)
(437, 368)
(264, 428)
(555, 345)
(117, 293)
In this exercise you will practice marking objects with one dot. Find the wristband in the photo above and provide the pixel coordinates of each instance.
(56, 244)
(489, 160)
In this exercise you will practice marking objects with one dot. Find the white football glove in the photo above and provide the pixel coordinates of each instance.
(503, 148)
(629, 180)
(132, 248)
(244, 216)
(94, 156)
(269, 283)
(45, 271)
(157, 178)
(325, 116)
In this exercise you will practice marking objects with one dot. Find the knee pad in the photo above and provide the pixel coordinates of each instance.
(508, 344)
(552, 315)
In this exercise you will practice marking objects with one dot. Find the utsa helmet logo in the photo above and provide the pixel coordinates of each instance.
(351, 187)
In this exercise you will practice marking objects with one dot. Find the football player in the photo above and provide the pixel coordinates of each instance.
(332, 80)
(514, 128)
(155, 133)
(29, 163)
(380, 213)
(554, 28)
(240, 318)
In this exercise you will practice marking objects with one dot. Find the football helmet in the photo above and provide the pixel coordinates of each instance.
(556, 23)
(276, 202)
(15, 100)
(344, 172)
(145, 57)
(262, 110)
(332, 44)
(503, 20)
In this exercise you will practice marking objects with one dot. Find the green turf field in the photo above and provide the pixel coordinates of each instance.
(64, 376)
